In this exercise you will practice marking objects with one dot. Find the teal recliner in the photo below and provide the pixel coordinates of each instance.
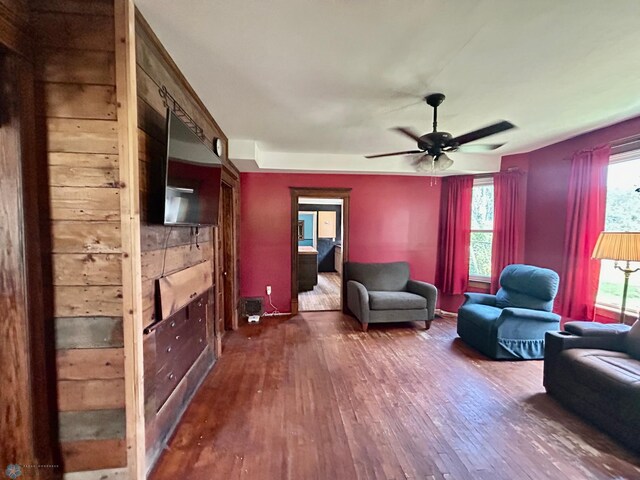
(511, 324)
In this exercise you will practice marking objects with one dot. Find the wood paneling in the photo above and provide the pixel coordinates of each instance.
(90, 364)
(70, 31)
(91, 425)
(75, 100)
(75, 68)
(180, 288)
(81, 237)
(82, 136)
(74, 395)
(94, 454)
(88, 332)
(83, 67)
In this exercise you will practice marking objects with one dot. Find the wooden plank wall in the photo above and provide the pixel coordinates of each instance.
(167, 250)
(77, 109)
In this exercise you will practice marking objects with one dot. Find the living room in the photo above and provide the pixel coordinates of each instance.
(126, 312)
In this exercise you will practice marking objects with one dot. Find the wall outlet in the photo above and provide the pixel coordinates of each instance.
(268, 289)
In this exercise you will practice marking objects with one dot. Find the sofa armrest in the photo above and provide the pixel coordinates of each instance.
(480, 299)
(555, 342)
(358, 300)
(426, 290)
(595, 329)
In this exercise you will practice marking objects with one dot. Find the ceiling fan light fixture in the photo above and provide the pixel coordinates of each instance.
(424, 163)
(443, 162)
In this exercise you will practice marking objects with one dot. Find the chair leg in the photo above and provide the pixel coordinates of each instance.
(427, 324)
(365, 326)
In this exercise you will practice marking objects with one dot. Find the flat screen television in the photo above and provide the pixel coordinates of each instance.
(192, 177)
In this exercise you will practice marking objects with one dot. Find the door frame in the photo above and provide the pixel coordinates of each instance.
(296, 193)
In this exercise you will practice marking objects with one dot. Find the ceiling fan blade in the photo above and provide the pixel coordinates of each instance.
(482, 132)
(479, 148)
(408, 132)
(408, 152)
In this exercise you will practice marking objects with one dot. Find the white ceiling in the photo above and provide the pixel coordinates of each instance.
(304, 85)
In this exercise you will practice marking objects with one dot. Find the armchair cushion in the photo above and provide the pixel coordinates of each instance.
(595, 329)
(480, 315)
(526, 286)
(396, 301)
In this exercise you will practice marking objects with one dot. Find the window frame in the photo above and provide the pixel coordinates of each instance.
(479, 182)
(614, 159)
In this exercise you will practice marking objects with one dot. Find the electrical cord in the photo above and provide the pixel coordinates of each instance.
(164, 256)
(275, 309)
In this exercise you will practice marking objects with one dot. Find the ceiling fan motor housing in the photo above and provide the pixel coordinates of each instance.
(434, 141)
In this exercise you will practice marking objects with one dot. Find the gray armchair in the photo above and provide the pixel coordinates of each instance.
(383, 292)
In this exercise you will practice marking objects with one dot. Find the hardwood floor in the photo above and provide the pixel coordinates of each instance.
(324, 296)
(312, 397)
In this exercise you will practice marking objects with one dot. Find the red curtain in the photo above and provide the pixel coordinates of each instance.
(508, 223)
(586, 205)
(452, 275)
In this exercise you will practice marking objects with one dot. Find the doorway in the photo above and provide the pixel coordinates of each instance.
(319, 248)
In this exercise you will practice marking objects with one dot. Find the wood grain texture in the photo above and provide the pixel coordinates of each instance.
(83, 67)
(178, 289)
(94, 454)
(125, 33)
(91, 425)
(81, 237)
(79, 301)
(312, 397)
(86, 395)
(82, 136)
(95, 7)
(87, 269)
(69, 31)
(88, 332)
(90, 364)
(77, 100)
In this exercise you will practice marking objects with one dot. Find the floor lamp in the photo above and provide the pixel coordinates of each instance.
(620, 247)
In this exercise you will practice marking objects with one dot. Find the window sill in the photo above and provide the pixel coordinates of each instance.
(612, 312)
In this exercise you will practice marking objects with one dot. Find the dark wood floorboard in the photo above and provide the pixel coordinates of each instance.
(313, 397)
(324, 296)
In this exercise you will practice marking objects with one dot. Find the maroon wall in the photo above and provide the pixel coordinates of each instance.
(548, 180)
(392, 218)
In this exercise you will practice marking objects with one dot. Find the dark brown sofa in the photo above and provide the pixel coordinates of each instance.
(594, 370)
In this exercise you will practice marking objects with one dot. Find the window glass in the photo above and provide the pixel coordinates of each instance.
(623, 215)
(481, 231)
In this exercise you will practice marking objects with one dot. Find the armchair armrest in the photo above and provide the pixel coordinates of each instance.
(480, 299)
(426, 290)
(527, 314)
(358, 300)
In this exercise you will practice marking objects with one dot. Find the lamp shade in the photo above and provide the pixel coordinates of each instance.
(443, 162)
(618, 246)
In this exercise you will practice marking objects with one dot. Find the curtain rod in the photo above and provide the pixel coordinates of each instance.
(490, 175)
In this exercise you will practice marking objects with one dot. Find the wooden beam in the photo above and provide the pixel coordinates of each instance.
(127, 112)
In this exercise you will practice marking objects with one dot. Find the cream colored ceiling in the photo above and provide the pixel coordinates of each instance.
(314, 85)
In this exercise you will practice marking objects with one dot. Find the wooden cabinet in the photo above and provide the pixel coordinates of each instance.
(179, 341)
(327, 225)
(307, 268)
(337, 251)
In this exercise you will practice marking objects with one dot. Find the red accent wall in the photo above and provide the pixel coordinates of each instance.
(392, 218)
(548, 179)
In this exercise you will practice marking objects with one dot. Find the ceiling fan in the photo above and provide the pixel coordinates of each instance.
(436, 144)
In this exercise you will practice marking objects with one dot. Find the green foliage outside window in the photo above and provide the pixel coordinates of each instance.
(623, 215)
(481, 231)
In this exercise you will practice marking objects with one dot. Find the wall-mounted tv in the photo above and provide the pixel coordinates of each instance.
(192, 177)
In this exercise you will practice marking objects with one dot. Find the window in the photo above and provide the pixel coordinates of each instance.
(481, 229)
(623, 215)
